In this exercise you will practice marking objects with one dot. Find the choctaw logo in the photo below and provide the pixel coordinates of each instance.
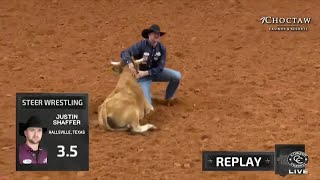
(286, 23)
(298, 159)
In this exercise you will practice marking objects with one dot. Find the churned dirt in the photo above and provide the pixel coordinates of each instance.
(243, 88)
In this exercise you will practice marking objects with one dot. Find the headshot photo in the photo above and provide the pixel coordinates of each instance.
(31, 152)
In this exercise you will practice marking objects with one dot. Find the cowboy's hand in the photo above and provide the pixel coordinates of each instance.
(142, 74)
(131, 67)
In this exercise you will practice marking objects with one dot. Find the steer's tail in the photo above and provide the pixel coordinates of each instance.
(103, 118)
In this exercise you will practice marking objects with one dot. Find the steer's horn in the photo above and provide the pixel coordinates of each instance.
(115, 63)
(138, 61)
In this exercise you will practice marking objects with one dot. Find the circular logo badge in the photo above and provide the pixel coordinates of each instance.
(298, 159)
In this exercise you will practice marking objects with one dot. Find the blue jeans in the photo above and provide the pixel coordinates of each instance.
(167, 75)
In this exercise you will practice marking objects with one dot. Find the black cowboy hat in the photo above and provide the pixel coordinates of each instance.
(153, 28)
(33, 121)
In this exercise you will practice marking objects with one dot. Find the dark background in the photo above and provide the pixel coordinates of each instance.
(282, 151)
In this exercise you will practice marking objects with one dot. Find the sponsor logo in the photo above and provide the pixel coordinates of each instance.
(298, 159)
(145, 57)
(45, 160)
(286, 23)
(156, 56)
(27, 161)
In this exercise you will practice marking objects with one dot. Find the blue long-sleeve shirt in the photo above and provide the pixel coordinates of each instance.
(156, 60)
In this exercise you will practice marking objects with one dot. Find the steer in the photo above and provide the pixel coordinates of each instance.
(126, 105)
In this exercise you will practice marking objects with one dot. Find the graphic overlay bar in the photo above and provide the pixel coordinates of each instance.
(52, 132)
(290, 159)
(237, 161)
(52, 102)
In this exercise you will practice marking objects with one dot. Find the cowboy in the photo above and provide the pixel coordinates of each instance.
(153, 68)
(30, 152)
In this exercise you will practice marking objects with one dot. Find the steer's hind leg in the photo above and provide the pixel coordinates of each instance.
(137, 128)
(147, 106)
(143, 128)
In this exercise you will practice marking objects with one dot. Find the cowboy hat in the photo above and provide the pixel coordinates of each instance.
(153, 28)
(33, 121)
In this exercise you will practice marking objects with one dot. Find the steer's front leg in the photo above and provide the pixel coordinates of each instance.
(147, 107)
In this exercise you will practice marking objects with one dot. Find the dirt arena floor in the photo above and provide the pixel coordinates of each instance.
(243, 88)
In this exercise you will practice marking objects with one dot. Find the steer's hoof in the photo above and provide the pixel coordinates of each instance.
(153, 127)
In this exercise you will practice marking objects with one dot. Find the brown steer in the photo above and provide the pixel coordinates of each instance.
(123, 109)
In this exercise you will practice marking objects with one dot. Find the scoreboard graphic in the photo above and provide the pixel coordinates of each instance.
(52, 132)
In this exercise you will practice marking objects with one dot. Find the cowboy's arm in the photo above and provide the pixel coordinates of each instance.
(161, 63)
(134, 50)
